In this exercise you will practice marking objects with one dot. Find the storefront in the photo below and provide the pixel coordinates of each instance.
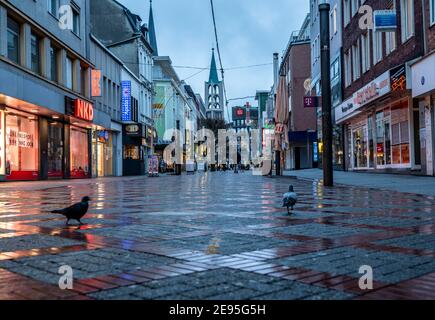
(378, 125)
(134, 150)
(20, 145)
(423, 92)
(102, 153)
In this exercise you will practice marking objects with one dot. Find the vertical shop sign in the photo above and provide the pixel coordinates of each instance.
(126, 101)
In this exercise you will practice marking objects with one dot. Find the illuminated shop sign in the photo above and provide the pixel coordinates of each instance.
(372, 91)
(96, 83)
(398, 78)
(126, 101)
(311, 102)
(80, 109)
(239, 113)
(83, 110)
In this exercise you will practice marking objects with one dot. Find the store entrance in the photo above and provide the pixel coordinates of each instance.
(55, 150)
(360, 151)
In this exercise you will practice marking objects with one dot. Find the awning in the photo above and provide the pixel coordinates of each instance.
(281, 115)
(302, 137)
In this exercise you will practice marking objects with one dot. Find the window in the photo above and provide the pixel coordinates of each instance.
(35, 53)
(346, 12)
(365, 53)
(347, 69)
(334, 20)
(22, 150)
(76, 22)
(354, 7)
(69, 73)
(79, 154)
(53, 6)
(377, 47)
(53, 63)
(13, 40)
(390, 42)
(356, 61)
(432, 11)
(407, 19)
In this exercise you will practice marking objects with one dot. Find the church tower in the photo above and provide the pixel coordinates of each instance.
(152, 31)
(214, 95)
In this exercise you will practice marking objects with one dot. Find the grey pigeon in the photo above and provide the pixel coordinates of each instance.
(76, 211)
(290, 199)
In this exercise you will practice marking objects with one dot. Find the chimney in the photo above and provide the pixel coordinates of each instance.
(275, 68)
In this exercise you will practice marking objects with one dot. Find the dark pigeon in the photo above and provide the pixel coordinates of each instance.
(76, 211)
(290, 199)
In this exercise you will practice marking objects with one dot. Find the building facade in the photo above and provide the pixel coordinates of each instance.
(106, 95)
(128, 38)
(379, 118)
(170, 105)
(335, 17)
(302, 121)
(46, 112)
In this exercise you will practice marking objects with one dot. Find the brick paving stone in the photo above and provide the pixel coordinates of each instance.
(215, 235)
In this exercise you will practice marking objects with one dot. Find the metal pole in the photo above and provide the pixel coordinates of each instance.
(328, 175)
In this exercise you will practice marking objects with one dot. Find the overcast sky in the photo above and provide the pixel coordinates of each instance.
(249, 31)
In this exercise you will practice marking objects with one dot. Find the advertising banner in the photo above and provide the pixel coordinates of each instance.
(153, 166)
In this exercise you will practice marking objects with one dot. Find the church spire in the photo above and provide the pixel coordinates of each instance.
(213, 70)
(152, 31)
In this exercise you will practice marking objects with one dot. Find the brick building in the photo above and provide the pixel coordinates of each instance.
(379, 118)
(302, 121)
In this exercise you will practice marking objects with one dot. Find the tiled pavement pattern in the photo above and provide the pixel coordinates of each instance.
(215, 236)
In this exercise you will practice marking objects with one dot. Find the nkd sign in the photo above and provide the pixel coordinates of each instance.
(79, 109)
(83, 110)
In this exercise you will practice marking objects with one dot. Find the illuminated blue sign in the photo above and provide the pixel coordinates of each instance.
(126, 101)
(316, 152)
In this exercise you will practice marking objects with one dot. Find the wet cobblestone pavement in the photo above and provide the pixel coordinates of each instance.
(215, 236)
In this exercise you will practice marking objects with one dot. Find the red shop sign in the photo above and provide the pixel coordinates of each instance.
(83, 110)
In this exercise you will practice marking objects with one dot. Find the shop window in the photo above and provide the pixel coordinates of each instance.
(400, 135)
(79, 149)
(2, 144)
(22, 153)
(13, 40)
(360, 145)
(132, 152)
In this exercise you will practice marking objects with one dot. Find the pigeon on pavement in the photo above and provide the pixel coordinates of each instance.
(76, 211)
(290, 199)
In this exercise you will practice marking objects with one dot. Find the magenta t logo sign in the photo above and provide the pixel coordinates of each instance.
(311, 102)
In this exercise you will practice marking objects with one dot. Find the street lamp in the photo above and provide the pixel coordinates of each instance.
(328, 174)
